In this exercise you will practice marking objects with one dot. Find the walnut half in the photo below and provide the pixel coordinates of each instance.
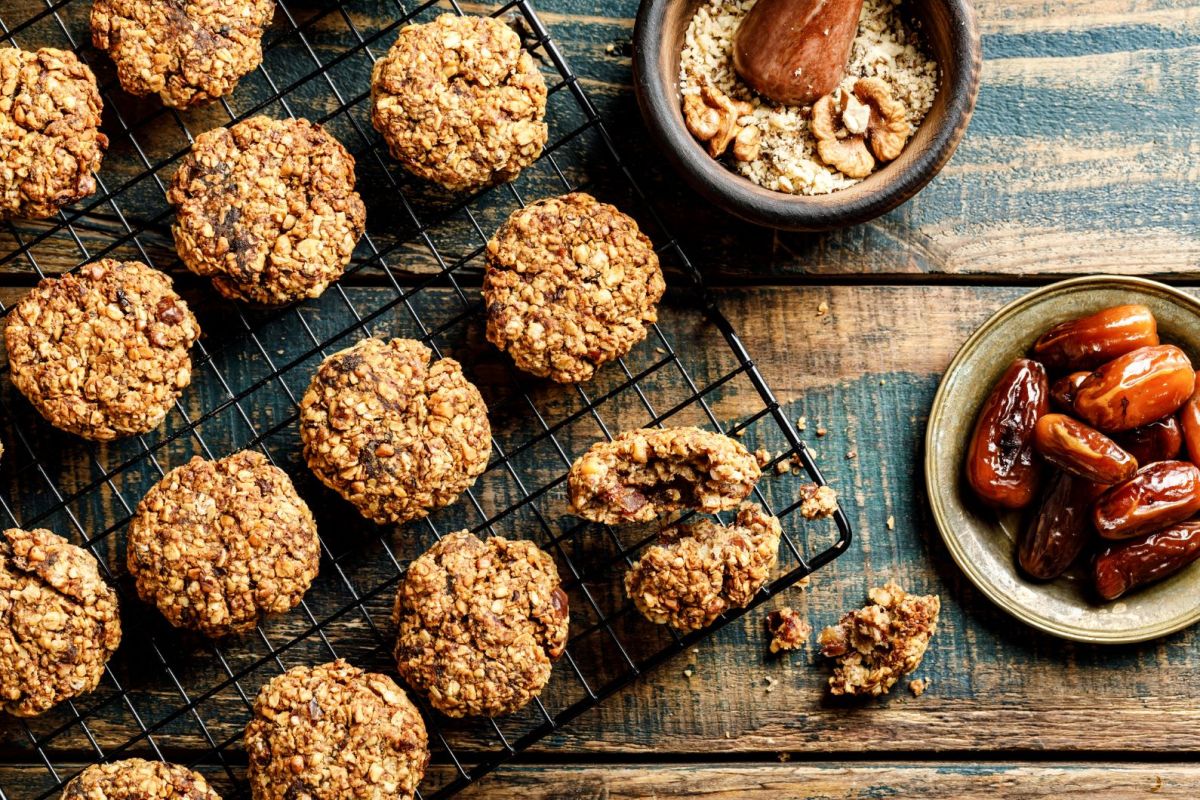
(712, 117)
(845, 124)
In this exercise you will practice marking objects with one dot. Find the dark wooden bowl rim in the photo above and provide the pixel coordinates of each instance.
(926, 153)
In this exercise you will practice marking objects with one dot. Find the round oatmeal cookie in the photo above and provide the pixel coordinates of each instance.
(102, 352)
(60, 621)
(571, 283)
(396, 436)
(216, 545)
(334, 732)
(480, 624)
(645, 473)
(699, 571)
(186, 51)
(459, 102)
(138, 779)
(50, 140)
(267, 209)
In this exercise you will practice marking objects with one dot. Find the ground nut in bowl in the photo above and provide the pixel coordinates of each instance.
(814, 163)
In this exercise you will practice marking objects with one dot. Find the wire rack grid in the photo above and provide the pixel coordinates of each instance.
(416, 273)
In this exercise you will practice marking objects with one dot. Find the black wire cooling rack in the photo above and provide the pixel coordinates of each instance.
(416, 273)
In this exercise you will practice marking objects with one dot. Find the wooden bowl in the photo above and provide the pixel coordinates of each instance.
(981, 540)
(951, 34)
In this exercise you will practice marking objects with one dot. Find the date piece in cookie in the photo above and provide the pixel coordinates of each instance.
(60, 621)
(645, 473)
(218, 544)
(480, 624)
(267, 210)
(187, 52)
(459, 102)
(394, 435)
(335, 732)
(571, 283)
(137, 779)
(877, 645)
(102, 352)
(699, 571)
(50, 140)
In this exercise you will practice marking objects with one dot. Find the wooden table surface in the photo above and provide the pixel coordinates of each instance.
(1083, 157)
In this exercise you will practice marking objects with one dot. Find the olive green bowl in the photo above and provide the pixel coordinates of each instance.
(982, 540)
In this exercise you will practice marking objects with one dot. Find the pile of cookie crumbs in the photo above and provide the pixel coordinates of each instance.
(885, 47)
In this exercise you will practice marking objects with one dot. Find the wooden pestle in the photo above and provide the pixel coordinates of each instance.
(795, 51)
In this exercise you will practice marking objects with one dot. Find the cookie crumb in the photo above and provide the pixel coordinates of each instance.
(891, 523)
(821, 431)
(918, 686)
(822, 308)
(817, 502)
(875, 646)
(853, 454)
(802, 424)
(789, 631)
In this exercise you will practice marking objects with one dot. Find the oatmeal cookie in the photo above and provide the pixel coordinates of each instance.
(459, 102)
(480, 624)
(60, 621)
(699, 571)
(218, 544)
(50, 140)
(186, 51)
(137, 779)
(334, 732)
(645, 473)
(571, 283)
(876, 646)
(102, 352)
(267, 209)
(396, 436)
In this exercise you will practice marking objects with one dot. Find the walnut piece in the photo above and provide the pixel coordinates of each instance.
(712, 117)
(849, 128)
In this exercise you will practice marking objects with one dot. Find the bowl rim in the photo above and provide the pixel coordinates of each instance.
(739, 196)
(937, 509)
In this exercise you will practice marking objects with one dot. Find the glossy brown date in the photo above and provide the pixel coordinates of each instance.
(1128, 565)
(1090, 341)
(1056, 535)
(1189, 424)
(1001, 465)
(1158, 441)
(1062, 392)
(1136, 389)
(1082, 451)
(1158, 495)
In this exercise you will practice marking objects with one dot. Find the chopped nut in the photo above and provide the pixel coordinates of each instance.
(891, 523)
(817, 502)
(918, 686)
(802, 424)
(712, 117)
(844, 124)
(888, 129)
(789, 631)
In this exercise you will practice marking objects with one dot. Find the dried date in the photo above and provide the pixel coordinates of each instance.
(1058, 532)
(1158, 441)
(1062, 392)
(1001, 466)
(1090, 341)
(1189, 423)
(1158, 495)
(1082, 451)
(1136, 389)
(1128, 565)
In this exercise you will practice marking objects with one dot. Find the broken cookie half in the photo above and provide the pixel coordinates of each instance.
(646, 473)
(875, 646)
(698, 571)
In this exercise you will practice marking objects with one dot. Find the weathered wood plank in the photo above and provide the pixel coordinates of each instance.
(770, 780)
(1081, 157)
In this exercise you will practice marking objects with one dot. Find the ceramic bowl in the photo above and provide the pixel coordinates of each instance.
(982, 540)
(953, 39)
